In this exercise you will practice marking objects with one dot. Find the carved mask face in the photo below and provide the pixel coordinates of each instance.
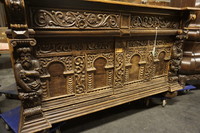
(26, 60)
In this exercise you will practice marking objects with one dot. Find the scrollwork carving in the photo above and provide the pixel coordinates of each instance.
(53, 46)
(73, 19)
(153, 22)
(134, 43)
(119, 69)
(149, 68)
(79, 74)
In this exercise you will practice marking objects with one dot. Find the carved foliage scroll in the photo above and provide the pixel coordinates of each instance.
(153, 22)
(63, 46)
(119, 69)
(74, 19)
(149, 68)
(79, 74)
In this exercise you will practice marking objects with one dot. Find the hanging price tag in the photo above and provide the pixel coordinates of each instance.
(155, 42)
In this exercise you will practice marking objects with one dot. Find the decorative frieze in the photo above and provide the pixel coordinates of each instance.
(63, 46)
(153, 22)
(46, 18)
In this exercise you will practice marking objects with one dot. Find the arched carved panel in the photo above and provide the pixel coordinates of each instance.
(100, 73)
(57, 81)
(134, 69)
(160, 68)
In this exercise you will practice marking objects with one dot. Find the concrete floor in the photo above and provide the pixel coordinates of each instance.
(181, 115)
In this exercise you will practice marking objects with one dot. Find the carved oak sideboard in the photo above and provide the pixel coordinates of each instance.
(72, 58)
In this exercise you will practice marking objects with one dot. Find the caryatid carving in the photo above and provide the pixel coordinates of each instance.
(28, 79)
(177, 54)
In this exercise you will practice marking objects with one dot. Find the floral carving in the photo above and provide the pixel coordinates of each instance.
(101, 44)
(153, 22)
(149, 68)
(73, 19)
(79, 75)
(119, 69)
(133, 43)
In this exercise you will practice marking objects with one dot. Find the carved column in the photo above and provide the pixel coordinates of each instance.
(26, 67)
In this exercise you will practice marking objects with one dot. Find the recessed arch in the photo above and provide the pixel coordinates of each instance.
(135, 68)
(57, 81)
(161, 65)
(100, 73)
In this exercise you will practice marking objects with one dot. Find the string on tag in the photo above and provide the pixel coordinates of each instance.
(155, 42)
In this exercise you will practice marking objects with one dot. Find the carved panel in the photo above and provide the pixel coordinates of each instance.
(119, 69)
(153, 22)
(101, 44)
(65, 46)
(143, 48)
(49, 78)
(94, 67)
(134, 43)
(79, 74)
(47, 18)
(49, 46)
(149, 67)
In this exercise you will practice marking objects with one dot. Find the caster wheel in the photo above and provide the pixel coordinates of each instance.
(164, 102)
(7, 127)
(187, 91)
(147, 102)
(58, 131)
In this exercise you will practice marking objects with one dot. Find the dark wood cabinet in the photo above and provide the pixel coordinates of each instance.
(72, 58)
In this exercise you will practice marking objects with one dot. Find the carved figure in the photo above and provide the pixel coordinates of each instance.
(27, 77)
